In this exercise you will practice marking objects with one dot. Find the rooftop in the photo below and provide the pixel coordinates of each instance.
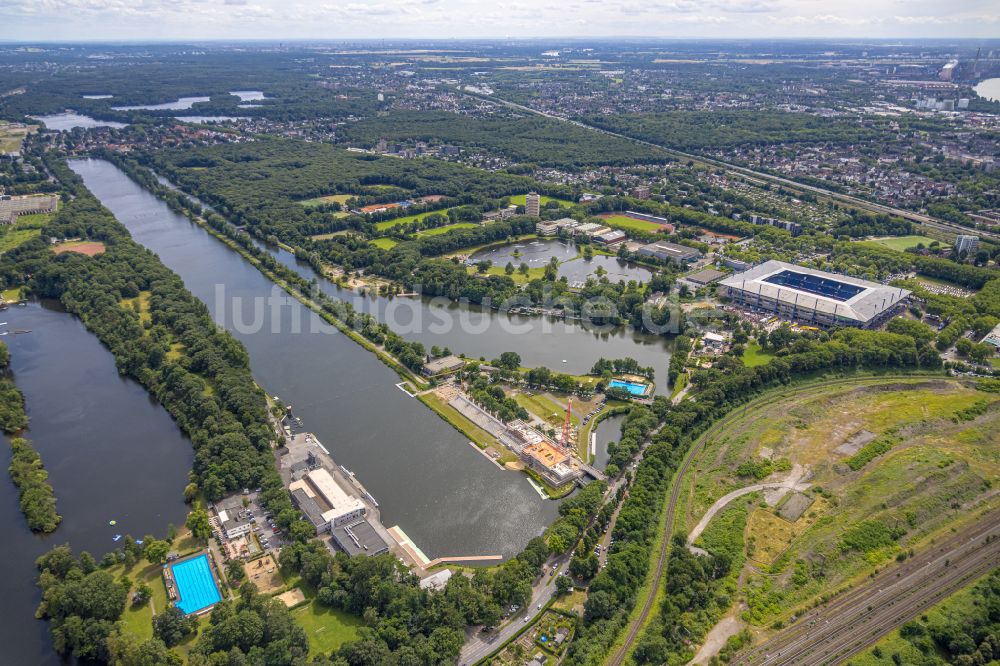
(812, 289)
(359, 538)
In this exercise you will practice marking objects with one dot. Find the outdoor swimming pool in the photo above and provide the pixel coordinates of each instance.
(195, 585)
(631, 387)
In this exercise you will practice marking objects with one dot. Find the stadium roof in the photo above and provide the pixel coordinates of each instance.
(811, 289)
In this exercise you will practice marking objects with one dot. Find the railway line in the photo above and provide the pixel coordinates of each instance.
(619, 657)
(856, 619)
(855, 202)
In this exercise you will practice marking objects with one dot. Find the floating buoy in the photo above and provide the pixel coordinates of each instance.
(112, 522)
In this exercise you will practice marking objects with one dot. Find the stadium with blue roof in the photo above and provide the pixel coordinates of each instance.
(812, 296)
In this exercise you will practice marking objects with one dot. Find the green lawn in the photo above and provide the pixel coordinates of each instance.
(545, 409)
(480, 437)
(385, 243)
(630, 223)
(437, 231)
(327, 628)
(17, 237)
(518, 200)
(902, 243)
(389, 224)
(753, 356)
(995, 362)
(333, 198)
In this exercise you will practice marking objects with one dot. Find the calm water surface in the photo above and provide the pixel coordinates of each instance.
(427, 478)
(112, 454)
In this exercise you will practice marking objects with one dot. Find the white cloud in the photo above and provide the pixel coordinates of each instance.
(233, 19)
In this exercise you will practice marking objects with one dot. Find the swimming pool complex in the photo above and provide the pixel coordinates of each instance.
(632, 387)
(195, 586)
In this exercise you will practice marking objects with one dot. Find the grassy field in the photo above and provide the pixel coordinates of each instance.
(389, 224)
(12, 137)
(754, 356)
(545, 409)
(902, 243)
(385, 243)
(936, 475)
(518, 200)
(13, 238)
(332, 198)
(437, 231)
(630, 223)
(477, 435)
(327, 628)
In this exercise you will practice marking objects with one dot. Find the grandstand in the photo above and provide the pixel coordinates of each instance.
(812, 296)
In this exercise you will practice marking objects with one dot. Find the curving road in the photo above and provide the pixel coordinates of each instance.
(857, 619)
(791, 484)
(635, 628)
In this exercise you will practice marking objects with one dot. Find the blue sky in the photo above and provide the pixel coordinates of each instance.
(315, 19)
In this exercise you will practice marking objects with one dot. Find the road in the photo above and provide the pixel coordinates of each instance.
(720, 504)
(856, 202)
(478, 647)
(856, 619)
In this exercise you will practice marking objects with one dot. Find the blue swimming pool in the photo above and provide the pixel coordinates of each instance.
(631, 387)
(195, 585)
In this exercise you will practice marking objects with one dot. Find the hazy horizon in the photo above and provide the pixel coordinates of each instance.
(294, 20)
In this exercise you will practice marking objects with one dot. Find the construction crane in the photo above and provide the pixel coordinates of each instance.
(565, 432)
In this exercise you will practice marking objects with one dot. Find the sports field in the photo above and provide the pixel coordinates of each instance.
(389, 224)
(89, 248)
(12, 137)
(327, 628)
(385, 243)
(332, 198)
(437, 231)
(630, 223)
(902, 243)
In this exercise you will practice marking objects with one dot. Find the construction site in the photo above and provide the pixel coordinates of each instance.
(553, 459)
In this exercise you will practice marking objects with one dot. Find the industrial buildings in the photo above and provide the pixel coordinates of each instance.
(812, 296)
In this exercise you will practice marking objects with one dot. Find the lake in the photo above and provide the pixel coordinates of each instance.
(112, 453)
(63, 122)
(425, 475)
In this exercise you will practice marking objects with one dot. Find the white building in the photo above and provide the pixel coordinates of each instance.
(233, 525)
(811, 296)
(967, 244)
(324, 502)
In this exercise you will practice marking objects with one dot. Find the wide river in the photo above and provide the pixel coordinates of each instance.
(425, 475)
(112, 453)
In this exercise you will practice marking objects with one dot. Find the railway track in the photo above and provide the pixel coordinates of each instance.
(619, 657)
(855, 202)
(856, 619)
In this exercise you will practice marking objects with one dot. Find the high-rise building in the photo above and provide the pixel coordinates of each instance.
(966, 244)
(533, 204)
